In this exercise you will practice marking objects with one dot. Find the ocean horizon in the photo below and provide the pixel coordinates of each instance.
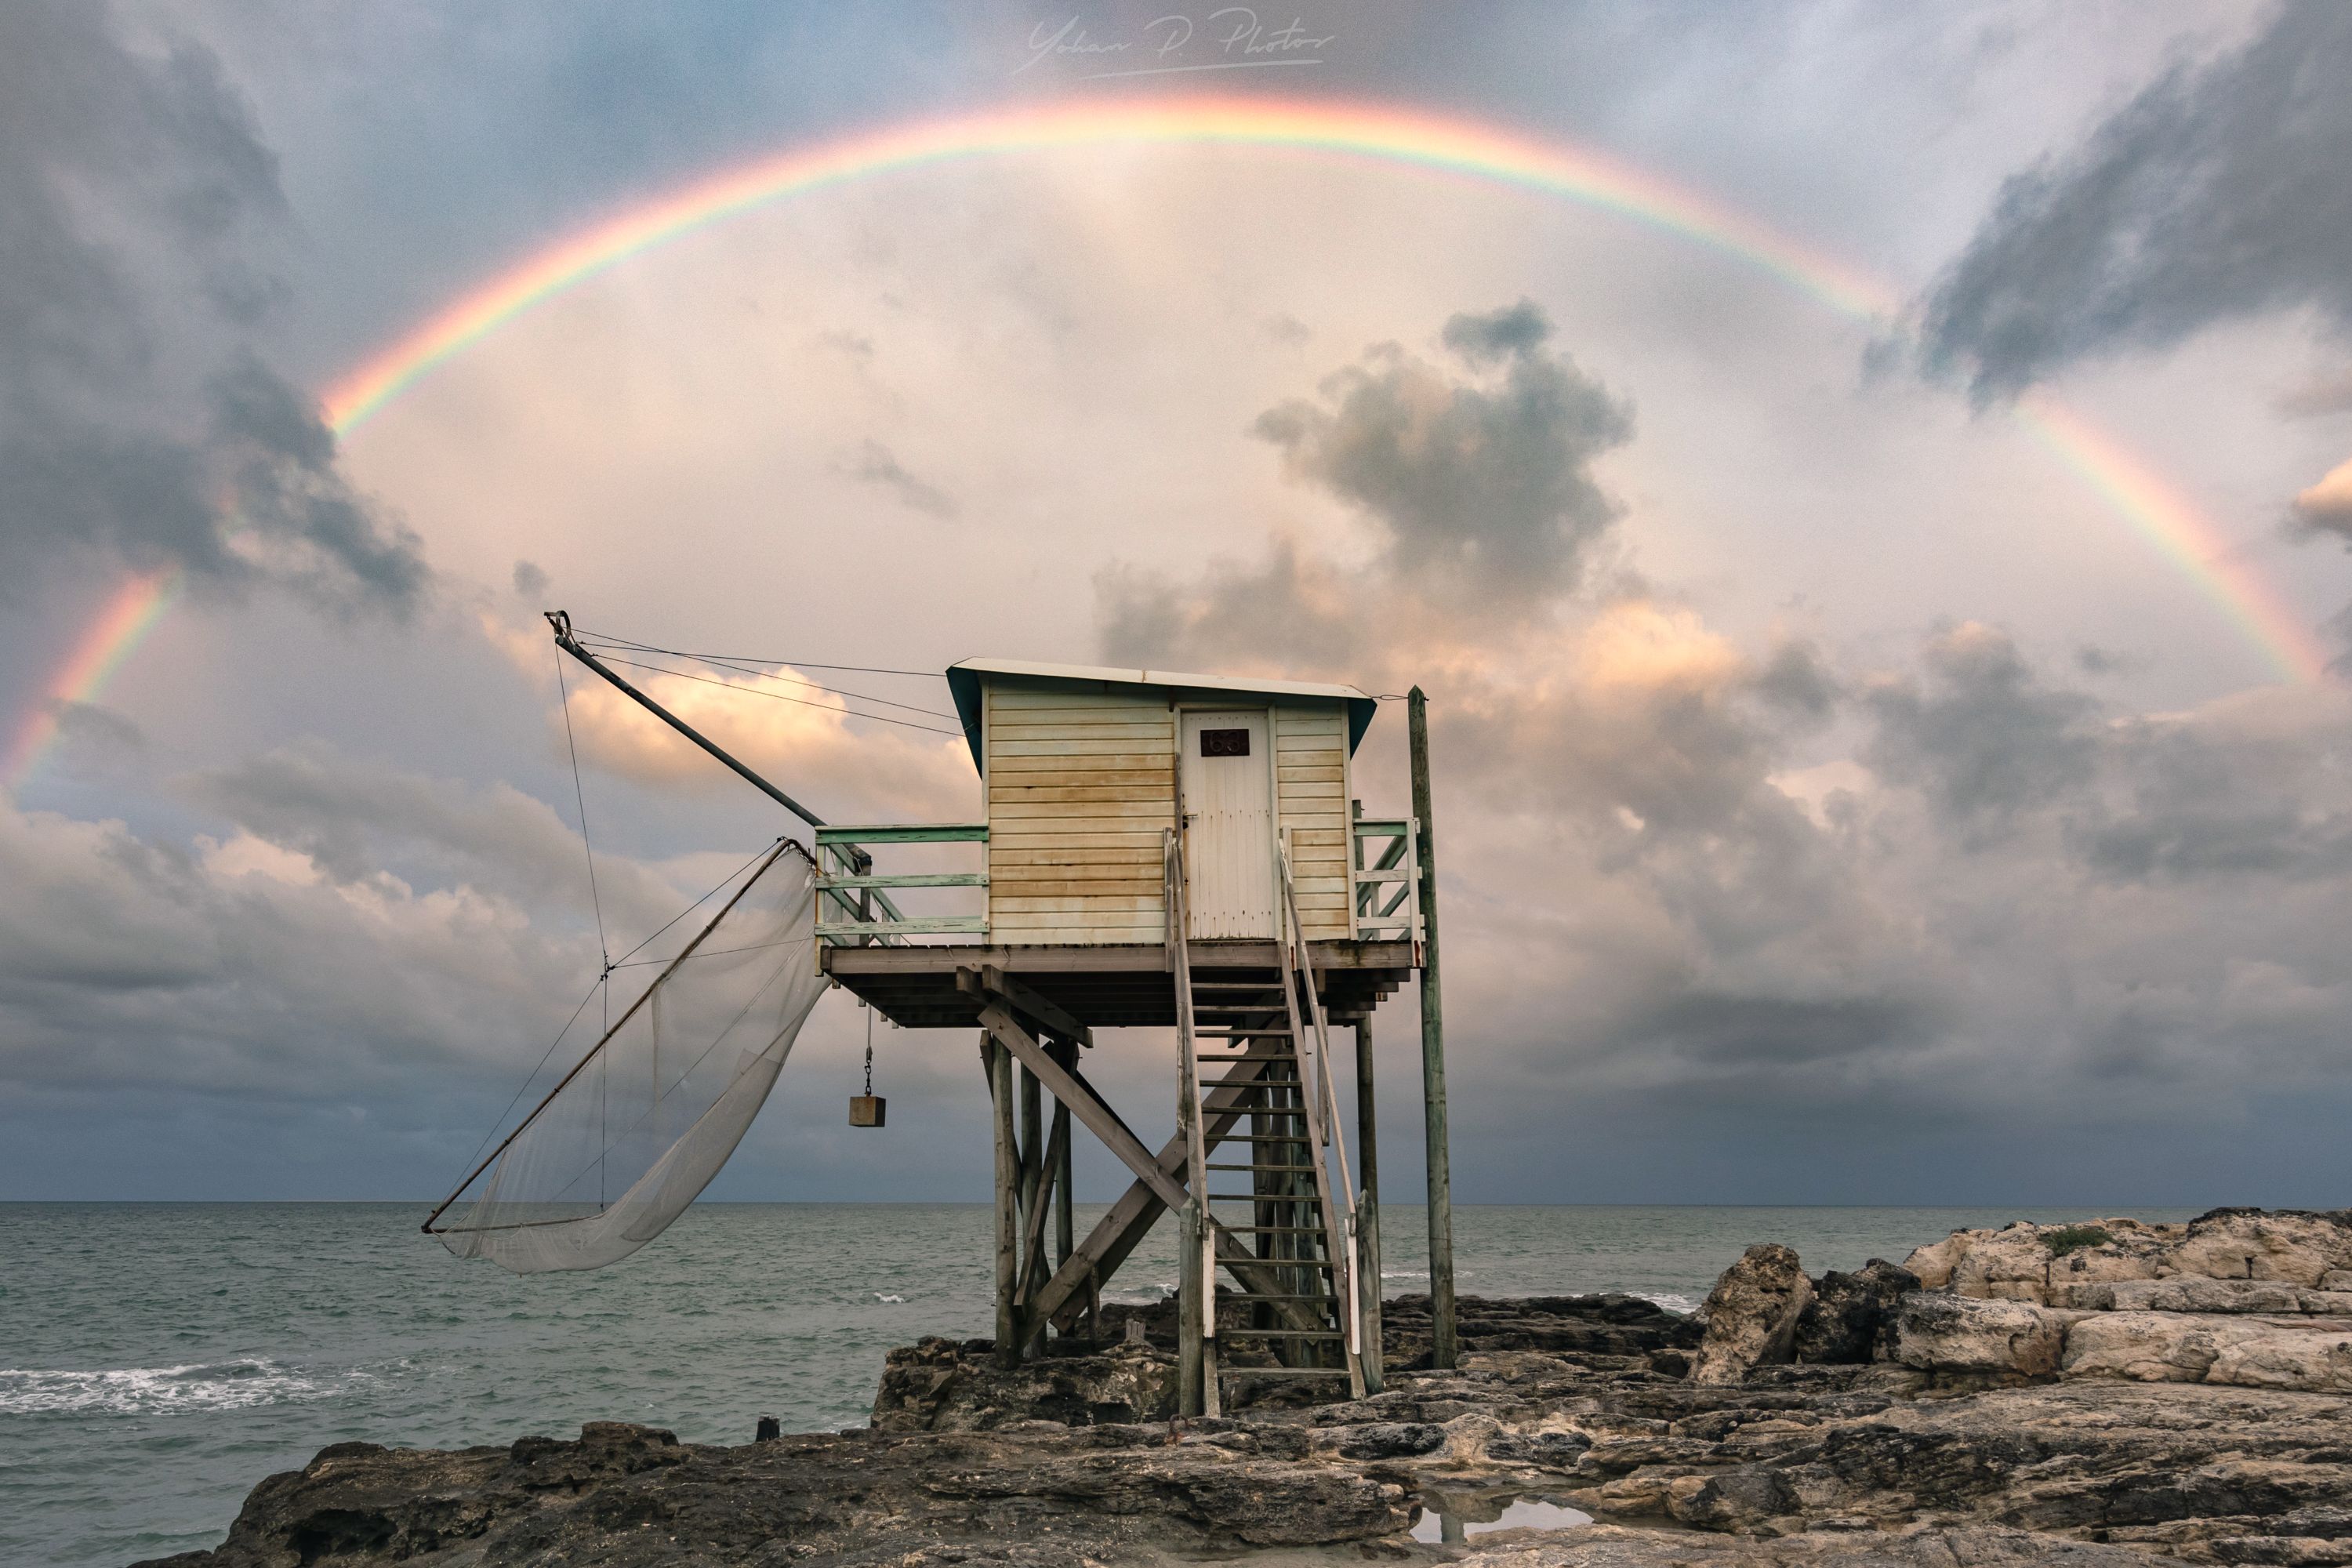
(159, 1358)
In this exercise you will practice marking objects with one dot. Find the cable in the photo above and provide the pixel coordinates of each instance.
(779, 697)
(771, 675)
(746, 659)
(623, 962)
(535, 1071)
(603, 949)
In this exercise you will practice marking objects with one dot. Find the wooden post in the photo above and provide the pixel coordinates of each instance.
(1368, 1207)
(1065, 1226)
(1442, 1349)
(1192, 1390)
(1008, 1194)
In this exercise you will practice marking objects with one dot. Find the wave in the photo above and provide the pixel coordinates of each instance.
(142, 1390)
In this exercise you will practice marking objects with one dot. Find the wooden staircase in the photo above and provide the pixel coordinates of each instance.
(1285, 1241)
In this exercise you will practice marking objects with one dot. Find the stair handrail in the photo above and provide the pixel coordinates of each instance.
(1188, 1118)
(1339, 1241)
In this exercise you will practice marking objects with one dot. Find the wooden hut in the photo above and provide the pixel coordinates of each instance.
(1169, 849)
(1159, 849)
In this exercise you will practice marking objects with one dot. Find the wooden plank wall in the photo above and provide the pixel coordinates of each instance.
(1081, 786)
(1311, 745)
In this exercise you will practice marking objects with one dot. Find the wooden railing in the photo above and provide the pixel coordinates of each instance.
(1387, 876)
(856, 907)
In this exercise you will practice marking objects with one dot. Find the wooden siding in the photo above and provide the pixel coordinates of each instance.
(1311, 785)
(1081, 786)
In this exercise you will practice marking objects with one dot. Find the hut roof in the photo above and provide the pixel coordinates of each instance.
(963, 681)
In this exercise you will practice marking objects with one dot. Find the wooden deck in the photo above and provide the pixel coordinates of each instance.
(1116, 986)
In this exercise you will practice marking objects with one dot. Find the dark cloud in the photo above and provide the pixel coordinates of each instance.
(530, 582)
(875, 464)
(1985, 736)
(1478, 483)
(2216, 192)
(136, 423)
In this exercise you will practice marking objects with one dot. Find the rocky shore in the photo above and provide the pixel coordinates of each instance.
(2102, 1393)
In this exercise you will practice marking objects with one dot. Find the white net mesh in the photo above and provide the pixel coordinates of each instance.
(636, 1132)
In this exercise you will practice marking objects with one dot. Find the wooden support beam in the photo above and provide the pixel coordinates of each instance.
(1368, 1211)
(1442, 1347)
(1041, 1010)
(1067, 1088)
(1033, 1250)
(1116, 1235)
(1067, 1052)
(1008, 1178)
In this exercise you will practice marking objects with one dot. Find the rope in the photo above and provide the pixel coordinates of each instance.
(869, 1050)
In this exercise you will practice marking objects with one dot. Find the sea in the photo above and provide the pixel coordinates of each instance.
(157, 1360)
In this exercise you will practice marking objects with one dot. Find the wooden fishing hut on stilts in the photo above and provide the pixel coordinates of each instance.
(1173, 850)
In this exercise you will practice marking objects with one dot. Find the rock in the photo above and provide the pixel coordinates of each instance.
(2298, 1247)
(1851, 1317)
(1751, 1315)
(2051, 1265)
(949, 1385)
(2190, 1294)
(2237, 1350)
(1962, 1337)
(2122, 1462)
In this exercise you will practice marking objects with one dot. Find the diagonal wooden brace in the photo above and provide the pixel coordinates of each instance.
(1100, 1120)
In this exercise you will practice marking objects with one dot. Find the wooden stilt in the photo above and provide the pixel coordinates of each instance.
(1008, 1192)
(1368, 1209)
(1442, 1345)
(1064, 1229)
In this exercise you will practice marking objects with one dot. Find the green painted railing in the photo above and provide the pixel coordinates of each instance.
(1386, 869)
(856, 895)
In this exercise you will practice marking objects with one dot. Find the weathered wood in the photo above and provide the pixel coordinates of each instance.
(850, 838)
(1116, 1235)
(1032, 1269)
(1067, 1088)
(1008, 1177)
(1442, 1345)
(1368, 1212)
(972, 925)
(991, 977)
(910, 879)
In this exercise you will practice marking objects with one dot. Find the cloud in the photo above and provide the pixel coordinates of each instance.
(2326, 506)
(1983, 735)
(2216, 192)
(137, 423)
(876, 465)
(1480, 485)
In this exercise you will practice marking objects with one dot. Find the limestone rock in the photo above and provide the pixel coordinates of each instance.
(2300, 1248)
(1752, 1315)
(2237, 1351)
(1851, 1317)
(2053, 1264)
(2187, 1293)
(1964, 1337)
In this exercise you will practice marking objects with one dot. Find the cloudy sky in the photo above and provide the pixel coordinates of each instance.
(1841, 798)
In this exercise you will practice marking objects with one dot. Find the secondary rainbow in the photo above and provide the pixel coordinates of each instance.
(1379, 133)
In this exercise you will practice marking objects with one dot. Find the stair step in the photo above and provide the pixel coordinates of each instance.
(1282, 1371)
(1298, 1169)
(1262, 1137)
(1266, 1033)
(1226, 1333)
(1272, 1230)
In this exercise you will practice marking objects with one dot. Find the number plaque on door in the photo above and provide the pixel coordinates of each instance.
(1224, 743)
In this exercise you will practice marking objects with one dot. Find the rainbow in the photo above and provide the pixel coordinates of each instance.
(1390, 136)
(122, 623)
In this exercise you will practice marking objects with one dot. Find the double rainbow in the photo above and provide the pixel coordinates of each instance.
(1372, 132)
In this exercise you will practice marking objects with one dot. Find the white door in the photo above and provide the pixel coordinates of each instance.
(1227, 778)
